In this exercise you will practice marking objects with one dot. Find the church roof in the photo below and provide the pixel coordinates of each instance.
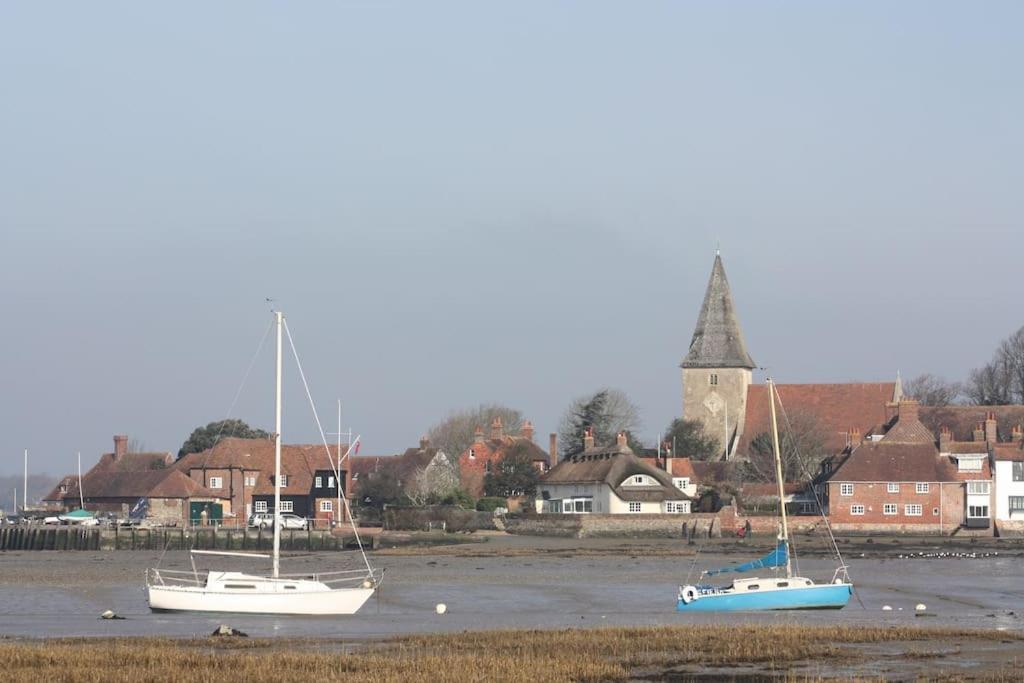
(717, 340)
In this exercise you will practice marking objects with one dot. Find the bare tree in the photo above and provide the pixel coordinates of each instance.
(432, 483)
(931, 390)
(607, 412)
(802, 442)
(1001, 380)
(455, 433)
(136, 445)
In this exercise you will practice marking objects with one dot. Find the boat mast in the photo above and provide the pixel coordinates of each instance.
(778, 473)
(277, 450)
(24, 489)
(81, 495)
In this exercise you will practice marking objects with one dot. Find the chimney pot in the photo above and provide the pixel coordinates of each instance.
(991, 428)
(497, 431)
(620, 438)
(527, 430)
(424, 442)
(478, 435)
(120, 445)
(588, 439)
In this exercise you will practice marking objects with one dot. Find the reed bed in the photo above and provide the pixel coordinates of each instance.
(604, 654)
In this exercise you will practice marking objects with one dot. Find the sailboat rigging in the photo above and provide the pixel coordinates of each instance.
(772, 593)
(325, 593)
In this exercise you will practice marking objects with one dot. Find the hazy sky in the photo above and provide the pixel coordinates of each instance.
(458, 203)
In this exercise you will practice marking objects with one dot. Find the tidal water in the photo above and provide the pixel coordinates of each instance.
(55, 594)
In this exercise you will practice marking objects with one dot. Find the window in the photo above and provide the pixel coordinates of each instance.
(856, 509)
(677, 508)
(284, 480)
(330, 482)
(63, 488)
(846, 489)
(318, 482)
(922, 488)
(638, 480)
(487, 467)
(681, 482)
(1016, 504)
(216, 482)
(964, 464)
(250, 481)
(977, 511)
(583, 505)
(893, 487)
(978, 487)
(287, 506)
(935, 511)
(913, 510)
(326, 506)
(713, 380)
(889, 509)
(634, 507)
(753, 587)
(808, 508)
(472, 454)
(261, 506)
(1018, 471)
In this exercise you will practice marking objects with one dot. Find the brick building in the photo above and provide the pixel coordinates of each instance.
(484, 454)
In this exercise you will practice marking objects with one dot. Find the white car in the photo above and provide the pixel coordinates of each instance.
(265, 520)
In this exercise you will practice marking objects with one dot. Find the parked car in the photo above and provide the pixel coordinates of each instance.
(265, 520)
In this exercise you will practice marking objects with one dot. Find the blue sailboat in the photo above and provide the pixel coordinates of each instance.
(767, 593)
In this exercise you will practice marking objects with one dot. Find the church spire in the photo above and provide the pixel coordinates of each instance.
(717, 340)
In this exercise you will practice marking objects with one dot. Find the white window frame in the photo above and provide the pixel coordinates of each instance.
(284, 480)
(250, 481)
(892, 487)
(846, 489)
(326, 506)
(635, 506)
(330, 482)
(260, 506)
(318, 482)
(971, 511)
(681, 482)
(890, 509)
(287, 506)
(913, 510)
(857, 509)
(638, 480)
(921, 487)
(978, 488)
(216, 483)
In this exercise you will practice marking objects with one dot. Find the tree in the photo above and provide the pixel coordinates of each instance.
(688, 439)
(433, 483)
(1001, 381)
(931, 390)
(206, 437)
(377, 489)
(607, 412)
(515, 474)
(456, 433)
(801, 443)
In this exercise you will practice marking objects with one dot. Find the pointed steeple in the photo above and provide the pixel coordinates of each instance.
(717, 340)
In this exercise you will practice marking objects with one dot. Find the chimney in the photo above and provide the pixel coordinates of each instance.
(120, 445)
(588, 439)
(908, 409)
(990, 428)
(854, 437)
(979, 431)
(496, 429)
(527, 430)
(1017, 434)
(478, 435)
(945, 438)
(620, 439)
(424, 442)
(553, 448)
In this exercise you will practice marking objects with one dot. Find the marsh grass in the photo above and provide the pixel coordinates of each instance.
(605, 654)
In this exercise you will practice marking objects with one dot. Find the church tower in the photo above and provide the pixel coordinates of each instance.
(717, 369)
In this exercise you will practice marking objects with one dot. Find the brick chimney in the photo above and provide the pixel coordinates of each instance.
(120, 446)
(945, 437)
(620, 439)
(908, 409)
(527, 430)
(553, 448)
(497, 431)
(424, 442)
(478, 435)
(588, 439)
(979, 431)
(1017, 434)
(854, 437)
(990, 428)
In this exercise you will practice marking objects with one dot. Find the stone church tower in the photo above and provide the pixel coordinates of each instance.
(717, 369)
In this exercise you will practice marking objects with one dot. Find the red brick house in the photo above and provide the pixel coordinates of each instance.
(896, 481)
(484, 454)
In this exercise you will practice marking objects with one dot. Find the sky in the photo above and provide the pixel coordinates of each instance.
(460, 203)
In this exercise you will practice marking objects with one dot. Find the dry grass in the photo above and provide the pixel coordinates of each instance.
(607, 654)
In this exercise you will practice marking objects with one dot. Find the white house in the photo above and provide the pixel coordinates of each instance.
(610, 480)
(1008, 465)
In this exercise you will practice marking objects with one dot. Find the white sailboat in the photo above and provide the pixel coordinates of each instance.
(328, 593)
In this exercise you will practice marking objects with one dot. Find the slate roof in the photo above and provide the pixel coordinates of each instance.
(838, 408)
(717, 340)
(598, 466)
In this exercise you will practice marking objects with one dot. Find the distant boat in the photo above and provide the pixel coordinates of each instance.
(769, 593)
(342, 592)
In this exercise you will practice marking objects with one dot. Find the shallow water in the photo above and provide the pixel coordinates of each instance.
(61, 594)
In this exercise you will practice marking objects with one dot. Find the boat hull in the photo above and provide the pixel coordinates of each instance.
(239, 593)
(826, 596)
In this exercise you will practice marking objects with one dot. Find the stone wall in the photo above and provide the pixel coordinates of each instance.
(447, 517)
